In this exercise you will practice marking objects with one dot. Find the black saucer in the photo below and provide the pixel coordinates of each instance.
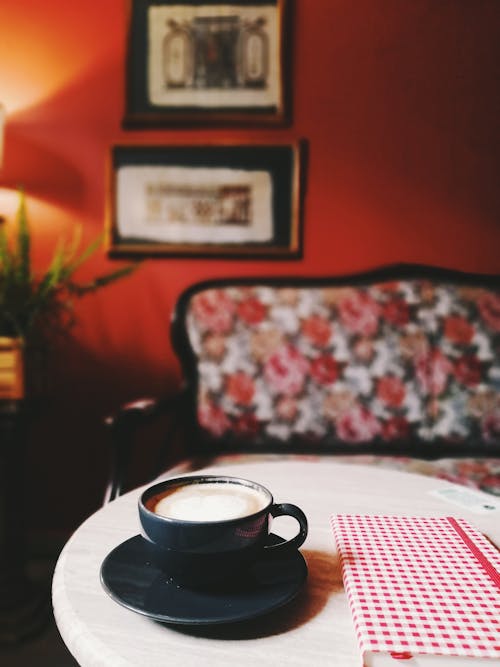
(129, 576)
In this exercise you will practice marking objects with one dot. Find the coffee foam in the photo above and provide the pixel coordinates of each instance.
(210, 501)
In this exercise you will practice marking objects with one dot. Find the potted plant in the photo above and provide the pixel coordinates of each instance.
(36, 307)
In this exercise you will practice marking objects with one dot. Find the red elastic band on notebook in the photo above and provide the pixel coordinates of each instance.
(487, 566)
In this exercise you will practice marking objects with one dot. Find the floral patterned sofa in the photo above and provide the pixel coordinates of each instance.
(397, 367)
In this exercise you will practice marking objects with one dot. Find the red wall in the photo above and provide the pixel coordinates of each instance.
(399, 102)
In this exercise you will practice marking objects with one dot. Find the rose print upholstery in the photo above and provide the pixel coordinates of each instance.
(400, 365)
(328, 365)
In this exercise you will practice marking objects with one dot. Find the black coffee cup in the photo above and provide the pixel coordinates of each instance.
(198, 541)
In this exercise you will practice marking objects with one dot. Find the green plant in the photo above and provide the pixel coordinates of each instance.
(38, 306)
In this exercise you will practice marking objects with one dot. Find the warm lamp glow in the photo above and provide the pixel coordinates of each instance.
(9, 203)
(48, 219)
(2, 123)
(38, 59)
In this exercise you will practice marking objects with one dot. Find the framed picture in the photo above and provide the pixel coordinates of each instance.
(191, 62)
(208, 201)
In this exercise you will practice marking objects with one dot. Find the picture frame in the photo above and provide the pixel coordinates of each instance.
(207, 63)
(224, 201)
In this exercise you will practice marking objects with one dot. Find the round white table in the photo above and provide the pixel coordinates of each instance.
(314, 629)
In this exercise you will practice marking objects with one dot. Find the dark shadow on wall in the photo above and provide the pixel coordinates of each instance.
(57, 147)
(67, 458)
(40, 171)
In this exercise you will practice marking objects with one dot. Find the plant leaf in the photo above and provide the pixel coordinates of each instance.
(53, 274)
(102, 280)
(70, 268)
(5, 258)
(74, 245)
(41, 306)
(23, 241)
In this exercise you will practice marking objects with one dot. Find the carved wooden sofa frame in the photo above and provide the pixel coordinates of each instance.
(398, 366)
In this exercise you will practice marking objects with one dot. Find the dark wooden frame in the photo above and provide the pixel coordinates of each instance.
(140, 112)
(283, 162)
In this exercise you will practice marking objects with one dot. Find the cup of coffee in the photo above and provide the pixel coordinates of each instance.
(208, 528)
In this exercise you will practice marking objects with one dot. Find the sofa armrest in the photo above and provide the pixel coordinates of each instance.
(123, 427)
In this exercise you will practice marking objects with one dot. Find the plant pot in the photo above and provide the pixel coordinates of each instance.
(11, 368)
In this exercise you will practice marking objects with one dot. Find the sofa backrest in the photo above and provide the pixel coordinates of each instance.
(402, 359)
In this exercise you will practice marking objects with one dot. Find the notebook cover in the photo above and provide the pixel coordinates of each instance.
(420, 586)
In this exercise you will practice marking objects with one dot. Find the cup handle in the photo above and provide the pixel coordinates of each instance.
(287, 509)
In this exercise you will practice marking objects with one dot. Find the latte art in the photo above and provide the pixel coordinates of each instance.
(209, 502)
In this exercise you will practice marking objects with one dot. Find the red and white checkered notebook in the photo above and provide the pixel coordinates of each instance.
(420, 589)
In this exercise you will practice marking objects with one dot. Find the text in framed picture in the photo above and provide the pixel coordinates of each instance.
(209, 201)
(207, 62)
